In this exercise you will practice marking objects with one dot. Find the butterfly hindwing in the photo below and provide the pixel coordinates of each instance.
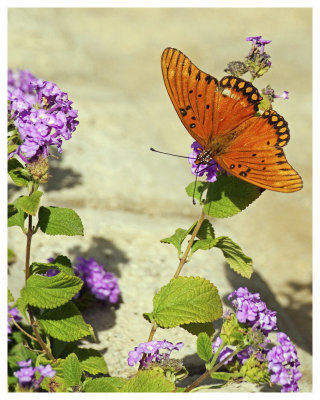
(256, 155)
(191, 92)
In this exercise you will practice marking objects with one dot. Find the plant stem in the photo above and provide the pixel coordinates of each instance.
(193, 236)
(183, 260)
(21, 329)
(209, 372)
(27, 274)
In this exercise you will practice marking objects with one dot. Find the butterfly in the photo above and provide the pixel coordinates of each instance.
(222, 116)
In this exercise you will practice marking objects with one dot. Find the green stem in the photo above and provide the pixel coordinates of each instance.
(27, 274)
(209, 372)
(183, 260)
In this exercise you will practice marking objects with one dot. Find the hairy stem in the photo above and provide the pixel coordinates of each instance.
(27, 274)
(183, 260)
(209, 372)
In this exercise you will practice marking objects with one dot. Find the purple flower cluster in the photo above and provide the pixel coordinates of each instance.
(257, 41)
(211, 169)
(27, 374)
(282, 364)
(102, 284)
(252, 311)
(42, 113)
(258, 61)
(152, 351)
(15, 314)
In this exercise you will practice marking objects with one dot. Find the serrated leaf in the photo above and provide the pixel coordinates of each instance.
(60, 221)
(71, 370)
(196, 328)
(204, 244)
(30, 204)
(105, 384)
(198, 192)
(50, 292)
(91, 361)
(16, 216)
(185, 300)
(22, 307)
(224, 376)
(178, 237)
(148, 381)
(65, 323)
(204, 347)
(235, 257)
(206, 230)
(61, 263)
(228, 196)
(19, 175)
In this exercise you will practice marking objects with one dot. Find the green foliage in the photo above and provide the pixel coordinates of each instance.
(186, 300)
(105, 384)
(65, 323)
(60, 221)
(234, 256)
(228, 196)
(30, 204)
(221, 376)
(61, 263)
(19, 175)
(204, 347)
(178, 237)
(50, 292)
(196, 328)
(225, 197)
(91, 361)
(148, 381)
(16, 216)
(11, 256)
(72, 370)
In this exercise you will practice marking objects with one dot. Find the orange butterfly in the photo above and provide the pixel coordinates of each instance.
(221, 117)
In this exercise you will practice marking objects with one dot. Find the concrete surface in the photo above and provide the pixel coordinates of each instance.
(108, 60)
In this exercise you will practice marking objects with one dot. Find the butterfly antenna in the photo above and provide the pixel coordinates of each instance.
(168, 154)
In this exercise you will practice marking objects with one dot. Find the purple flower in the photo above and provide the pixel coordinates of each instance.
(257, 61)
(15, 314)
(268, 91)
(258, 41)
(102, 284)
(252, 311)
(224, 352)
(210, 168)
(26, 374)
(42, 114)
(152, 351)
(282, 364)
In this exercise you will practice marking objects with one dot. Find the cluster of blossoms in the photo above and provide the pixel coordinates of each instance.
(27, 374)
(42, 114)
(15, 314)
(282, 360)
(102, 284)
(152, 351)
(211, 169)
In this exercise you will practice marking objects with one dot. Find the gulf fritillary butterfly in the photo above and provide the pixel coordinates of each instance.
(222, 117)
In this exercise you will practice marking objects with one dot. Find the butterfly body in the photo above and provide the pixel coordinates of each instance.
(222, 116)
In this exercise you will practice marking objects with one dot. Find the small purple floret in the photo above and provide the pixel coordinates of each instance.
(210, 169)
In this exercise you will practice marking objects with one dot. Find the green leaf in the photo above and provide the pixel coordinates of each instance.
(65, 323)
(50, 292)
(10, 297)
(228, 196)
(204, 347)
(235, 257)
(206, 230)
(196, 328)
(185, 300)
(60, 221)
(22, 307)
(148, 381)
(16, 216)
(19, 175)
(61, 263)
(200, 189)
(72, 370)
(30, 204)
(204, 244)
(223, 376)
(91, 361)
(12, 147)
(105, 384)
(178, 237)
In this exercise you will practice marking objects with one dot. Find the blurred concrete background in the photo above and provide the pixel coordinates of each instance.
(108, 60)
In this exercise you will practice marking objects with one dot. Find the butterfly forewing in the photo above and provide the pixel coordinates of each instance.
(191, 92)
